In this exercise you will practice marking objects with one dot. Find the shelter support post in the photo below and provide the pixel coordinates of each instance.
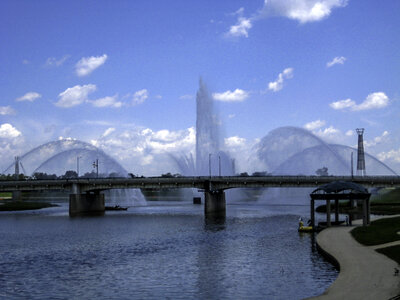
(312, 213)
(337, 211)
(328, 213)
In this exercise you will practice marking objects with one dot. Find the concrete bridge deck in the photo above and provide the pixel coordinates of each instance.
(199, 182)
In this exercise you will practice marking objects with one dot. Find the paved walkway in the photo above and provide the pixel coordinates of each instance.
(364, 273)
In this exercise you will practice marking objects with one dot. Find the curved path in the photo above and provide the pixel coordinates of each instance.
(364, 273)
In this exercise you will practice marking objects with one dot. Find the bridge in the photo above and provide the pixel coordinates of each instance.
(85, 193)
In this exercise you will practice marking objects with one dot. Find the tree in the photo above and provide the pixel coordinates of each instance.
(70, 174)
(322, 172)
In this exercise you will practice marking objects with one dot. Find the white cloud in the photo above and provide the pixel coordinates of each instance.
(237, 95)
(377, 140)
(108, 131)
(391, 155)
(278, 84)
(6, 110)
(303, 11)
(330, 134)
(373, 101)
(87, 65)
(241, 28)
(107, 102)
(7, 131)
(349, 132)
(337, 60)
(186, 97)
(314, 125)
(140, 96)
(75, 96)
(54, 62)
(231, 116)
(31, 96)
(234, 141)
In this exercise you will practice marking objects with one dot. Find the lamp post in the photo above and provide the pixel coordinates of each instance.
(96, 165)
(219, 165)
(209, 164)
(77, 164)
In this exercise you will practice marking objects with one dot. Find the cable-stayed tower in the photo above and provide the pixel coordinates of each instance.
(360, 153)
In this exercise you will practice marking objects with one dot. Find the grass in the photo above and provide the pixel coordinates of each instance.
(391, 252)
(379, 232)
(5, 195)
(23, 205)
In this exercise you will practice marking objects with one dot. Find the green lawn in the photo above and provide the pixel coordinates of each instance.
(391, 252)
(379, 232)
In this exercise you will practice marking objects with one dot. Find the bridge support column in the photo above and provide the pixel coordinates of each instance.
(17, 196)
(215, 204)
(86, 204)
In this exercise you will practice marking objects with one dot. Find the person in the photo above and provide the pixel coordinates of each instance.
(300, 222)
(309, 222)
(347, 221)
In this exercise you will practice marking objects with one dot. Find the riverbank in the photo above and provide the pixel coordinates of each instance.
(364, 273)
(23, 205)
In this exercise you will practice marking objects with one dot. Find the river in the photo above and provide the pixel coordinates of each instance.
(164, 250)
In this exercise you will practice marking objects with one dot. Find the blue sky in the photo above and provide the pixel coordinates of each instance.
(123, 75)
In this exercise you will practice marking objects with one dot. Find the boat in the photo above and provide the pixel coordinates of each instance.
(116, 207)
(306, 229)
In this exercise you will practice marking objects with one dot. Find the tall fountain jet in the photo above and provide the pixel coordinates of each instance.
(360, 153)
(207, 136)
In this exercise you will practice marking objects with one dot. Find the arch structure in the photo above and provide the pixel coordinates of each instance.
(296, 151)
(57, 157)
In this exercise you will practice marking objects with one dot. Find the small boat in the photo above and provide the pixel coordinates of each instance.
(116, 207)
(306, 229)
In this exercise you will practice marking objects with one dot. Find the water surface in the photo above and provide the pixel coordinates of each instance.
(164, 250)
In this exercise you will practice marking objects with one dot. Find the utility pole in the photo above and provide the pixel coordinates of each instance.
(96, 165)
(351, 171)
(16, 168)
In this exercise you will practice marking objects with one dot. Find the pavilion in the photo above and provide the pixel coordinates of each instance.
(341, 190)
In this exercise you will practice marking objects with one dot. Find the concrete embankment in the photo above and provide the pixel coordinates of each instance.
(364, 273)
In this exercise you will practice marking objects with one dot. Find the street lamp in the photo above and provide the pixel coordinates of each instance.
(77, 164)
(96, 165)
(219, 165)
(209, 164)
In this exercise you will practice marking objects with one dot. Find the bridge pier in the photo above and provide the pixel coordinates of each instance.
(88, 203)
(214, 204)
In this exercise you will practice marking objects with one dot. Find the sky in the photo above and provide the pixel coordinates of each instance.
(123, 75)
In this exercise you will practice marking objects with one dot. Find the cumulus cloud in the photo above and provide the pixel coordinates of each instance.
(241, 28)
(6, 110)
(107, 102)
(349, 132)
(337, 60)
(54, 62)
(237, 95)
(314, 125)
(377, 140)
(75, 96)
(373, 101)
(391, 155)
(138, 148)
(140, 96)
(7, 131)
(31, 96)
(277, 85)
(87, 65)
(303, 11)
(234, 141)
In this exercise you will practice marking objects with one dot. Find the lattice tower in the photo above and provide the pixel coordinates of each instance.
(360, 153)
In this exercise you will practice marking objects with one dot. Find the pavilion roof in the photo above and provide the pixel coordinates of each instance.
(340, 186)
